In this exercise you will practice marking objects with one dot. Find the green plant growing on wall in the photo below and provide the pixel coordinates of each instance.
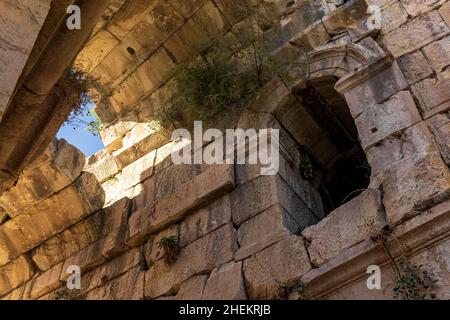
(81, 97)
(171, 249)
(299, 287)
(62, 295)
(221, 78)
(413, 282)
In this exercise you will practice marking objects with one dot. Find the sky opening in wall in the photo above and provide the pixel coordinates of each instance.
(79, 136)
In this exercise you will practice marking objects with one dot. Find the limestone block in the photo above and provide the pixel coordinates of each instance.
(38, 183)
(87, 259)
(58, 212)
(139, 226)
(226, 283)
(153, 252)
(269, 271)
(416, 33)
(116, 130)
(113, 269)
(381, 120)
(393, 16)
(209, 185)
(144, 80)
(160, 23)
(310, 38)
(444, 11)
(20, 26)
(12, 241)
(95, 51)
(192, 288)
(68, 242)
(346, 226)
(417, 182)
(263, 192)
(187, 8)
(201, 256)
(371, 84)
(438, 53)
(145, 194)
(15, 273)
(129, 286)
(351, 17)
(440, 125)
(138, 171)
(127, 18)
(415, 8)
(205, 220)
(264, 229)
(104, 168)
(45, 282)
(206, 23)
(172, 177)
(433, 94)
(116, 227)
(415, 67)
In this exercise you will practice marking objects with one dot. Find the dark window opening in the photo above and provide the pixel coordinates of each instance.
(345, 172)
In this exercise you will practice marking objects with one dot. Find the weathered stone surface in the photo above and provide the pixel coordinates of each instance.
(112, 269)
(40, 182)
(433, 94)
(116, 228)
(415, 8)
(46, 282)
(350, 17)
(130, 15)
(263, 192)
(192, 288)
(14, 274)
(310, 38)
(187, 8)
(266, 228)
(390, 117)
(226, 283)
(438, 53)
(415, 67)
(205, 220)
(104, 169)
(198, 257)
(71, 240)
(417, 182)
(371, 84)
(346, 226)
(209, 185)
(206, 23)
(416, 33)
(95, 51)
(87, 259)
(143, 81)
(153, 252)
(440, 125)
(444, 11)
(20, 26)
(393, 16)
(129, 286)
(269, 271)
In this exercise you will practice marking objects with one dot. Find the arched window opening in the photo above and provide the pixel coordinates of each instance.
(335, 147)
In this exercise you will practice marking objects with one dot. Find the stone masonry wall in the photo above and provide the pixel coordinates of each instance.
(243, 235)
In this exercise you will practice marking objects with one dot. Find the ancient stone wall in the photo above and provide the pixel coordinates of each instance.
(242, 234)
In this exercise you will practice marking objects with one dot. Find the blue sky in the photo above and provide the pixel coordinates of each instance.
(80, 137)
